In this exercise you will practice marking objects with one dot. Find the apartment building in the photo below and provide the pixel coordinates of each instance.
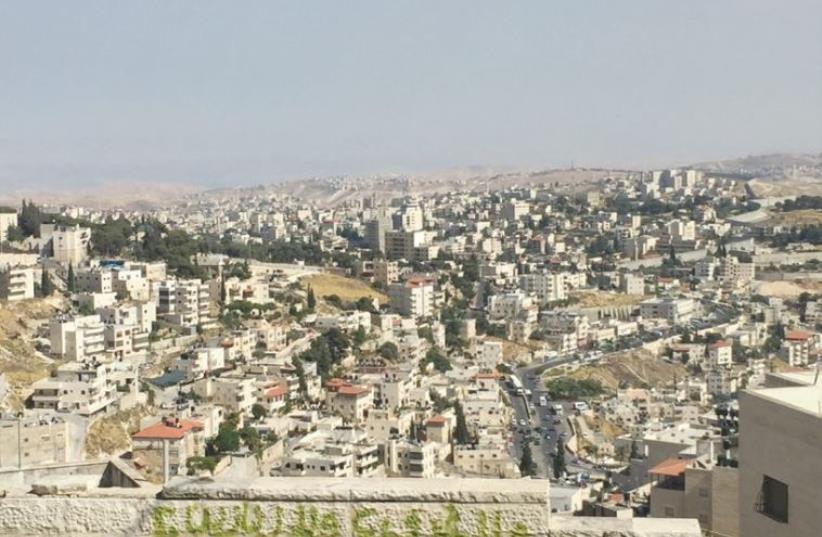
(84, 388)
(413, 298)
(547, 287)
(185, 303)
(386, 272)
(406, 458)
(348, 400)
(734, 274)
(77, 338)
(797, 347)
(235, 394)
(673, 310)
(488, 458)
(632, 284)
(720, 354)
(69, 244)
(17, 283)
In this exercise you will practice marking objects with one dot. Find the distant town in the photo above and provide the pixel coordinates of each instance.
(645, 343)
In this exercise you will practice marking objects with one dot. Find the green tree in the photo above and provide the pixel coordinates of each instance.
(46, 287)
(527, 466)
(258, 411)
(461, 434)
(226, 441)
(300, 372)
(389, 351)
(71, 279)
(312, 300)
(559, 459)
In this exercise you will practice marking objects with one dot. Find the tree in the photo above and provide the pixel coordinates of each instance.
(46, 287)
(312, 300)
(389, 351)
(559, 459)
(300, 371)
(71, 281)
(226, 441)
(438, 358)
(258, 411)
(527, 466)
(461, 434)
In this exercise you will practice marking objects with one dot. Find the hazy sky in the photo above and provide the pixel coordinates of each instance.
(246, 91)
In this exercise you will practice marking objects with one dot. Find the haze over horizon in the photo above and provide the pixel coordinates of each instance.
(214, 94)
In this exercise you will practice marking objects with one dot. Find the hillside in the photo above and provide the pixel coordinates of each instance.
(630, 368)
(348, 289)
(22, 363)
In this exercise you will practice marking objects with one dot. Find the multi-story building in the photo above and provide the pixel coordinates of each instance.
(348, 400)
(17, 283)
(548, 287)
(414, 298)
(82, 388)
(406, 458)
(797, 347)
(184, 303)
(720, 354)
(632, 284)
(674, 310)
(69, 244)
(79, 338)
(235, 394)
(386, 272)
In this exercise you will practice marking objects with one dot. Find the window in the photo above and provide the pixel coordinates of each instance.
(773, 499)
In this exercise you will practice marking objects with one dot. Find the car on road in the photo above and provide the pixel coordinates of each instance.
(522, 423)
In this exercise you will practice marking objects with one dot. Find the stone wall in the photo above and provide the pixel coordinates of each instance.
(308, 507)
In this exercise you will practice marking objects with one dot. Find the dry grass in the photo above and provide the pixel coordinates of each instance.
(608, 430)
(787, 288)
(348, 289)
(796, 218)
(631, 368)
(600, 299)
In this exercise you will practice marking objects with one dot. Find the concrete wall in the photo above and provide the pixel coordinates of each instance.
(302, 507)
(784, 442)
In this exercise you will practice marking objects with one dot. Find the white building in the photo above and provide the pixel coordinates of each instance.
(414, 298)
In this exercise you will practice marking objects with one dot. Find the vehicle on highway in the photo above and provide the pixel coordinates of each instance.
(542, 400)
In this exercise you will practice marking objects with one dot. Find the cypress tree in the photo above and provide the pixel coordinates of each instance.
(559, 459)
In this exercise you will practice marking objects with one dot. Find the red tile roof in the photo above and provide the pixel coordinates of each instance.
(670, 467)
(352, 390)
(720, 344)
(436, 420)
(277, 391)
(162, 430)
(798, 335)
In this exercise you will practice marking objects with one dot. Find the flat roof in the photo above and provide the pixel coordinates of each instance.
(806, 399)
